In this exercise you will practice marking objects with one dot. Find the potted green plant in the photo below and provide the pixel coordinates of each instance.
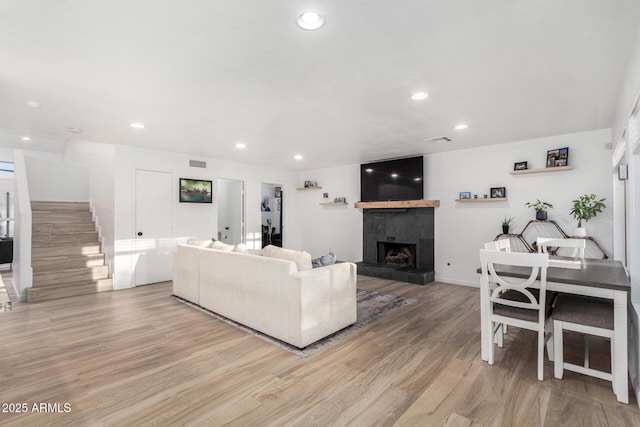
(541, 209)
(584, 208)
(506, 222)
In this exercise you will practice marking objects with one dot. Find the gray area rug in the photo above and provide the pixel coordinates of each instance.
(371, 307)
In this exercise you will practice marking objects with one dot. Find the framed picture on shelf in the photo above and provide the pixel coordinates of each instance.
(307, 184)
(498, 192)
(558, 157)
(520, 166)
(313, 184)
(465, 195)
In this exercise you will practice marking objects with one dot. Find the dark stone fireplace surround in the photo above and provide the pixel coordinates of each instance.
(410, 226)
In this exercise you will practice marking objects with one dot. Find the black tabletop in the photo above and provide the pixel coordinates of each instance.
(599, 273)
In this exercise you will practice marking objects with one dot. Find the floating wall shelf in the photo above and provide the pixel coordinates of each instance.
(554, 169)
(398, 204)
(332, 203)
(308, 188)
(493, 199)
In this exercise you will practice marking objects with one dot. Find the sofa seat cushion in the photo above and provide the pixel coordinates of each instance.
(301, 258)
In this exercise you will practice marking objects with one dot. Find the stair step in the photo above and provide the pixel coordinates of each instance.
(46, 251)
(68, 290)
(66, 262)
(68, 227)
(80, 237)
(59, 206)
(55, 277)
(61, 218)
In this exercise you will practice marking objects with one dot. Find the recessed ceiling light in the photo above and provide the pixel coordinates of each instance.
(26, 138)
(394, 175)
(419, 96)
(75, 130)
(310, 20)
(33, 104)
(137, 125)
(417, 179)
(368, 170)
(461, 126)
(241, 145)
(298, 157)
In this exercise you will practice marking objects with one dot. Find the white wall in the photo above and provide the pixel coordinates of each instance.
(462, 228)
(53, 180)
(192, 219)
(338, 227)
(100, 161)
(630, 91)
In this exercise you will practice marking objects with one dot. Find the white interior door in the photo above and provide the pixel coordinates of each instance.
(154, 227)
(230, 211)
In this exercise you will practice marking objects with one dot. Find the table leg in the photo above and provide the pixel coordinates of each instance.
(485, 330)
(621, 385)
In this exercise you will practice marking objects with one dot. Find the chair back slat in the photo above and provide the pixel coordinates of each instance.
(578, 245)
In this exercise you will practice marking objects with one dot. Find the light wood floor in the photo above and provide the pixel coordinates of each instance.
(138, 357)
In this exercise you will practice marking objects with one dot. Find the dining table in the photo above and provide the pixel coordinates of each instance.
(601, 278)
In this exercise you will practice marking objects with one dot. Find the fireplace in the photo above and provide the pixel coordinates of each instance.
(398, 244)
(398, 254)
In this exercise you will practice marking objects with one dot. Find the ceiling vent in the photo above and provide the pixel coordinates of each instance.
(439, 140)
(198, 164)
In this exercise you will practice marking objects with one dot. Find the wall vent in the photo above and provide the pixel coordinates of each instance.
(439, 140)
(198, 164)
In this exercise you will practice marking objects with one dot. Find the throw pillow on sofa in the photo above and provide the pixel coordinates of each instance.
(301, 258)
(324, 260)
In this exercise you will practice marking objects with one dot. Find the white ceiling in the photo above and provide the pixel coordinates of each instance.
(205, 74)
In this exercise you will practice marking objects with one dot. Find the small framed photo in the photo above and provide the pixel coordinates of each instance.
(313, 184)
(498, 192)
(558, 157)
(307, 184)
(325, 195)
(520, 166)
(278, 192)
(465, 195)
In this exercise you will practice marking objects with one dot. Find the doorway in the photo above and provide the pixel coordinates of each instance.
(272, 209)
(154, 240)
(230, 194)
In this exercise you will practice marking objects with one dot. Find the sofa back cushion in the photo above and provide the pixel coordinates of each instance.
(243, 249)
(199, 243)
(221, 246)
(301, 258)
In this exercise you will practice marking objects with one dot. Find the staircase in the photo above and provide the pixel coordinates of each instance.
(65, 252)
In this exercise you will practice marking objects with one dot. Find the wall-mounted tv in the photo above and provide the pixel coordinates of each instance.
(398, 179)
(195, 191)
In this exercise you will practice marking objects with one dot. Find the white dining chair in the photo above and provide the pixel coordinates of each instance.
(510, 302)
(586, 315)
(503, 245)
(578, 245)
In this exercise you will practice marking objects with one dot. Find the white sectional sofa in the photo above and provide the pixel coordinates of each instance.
(276, 293)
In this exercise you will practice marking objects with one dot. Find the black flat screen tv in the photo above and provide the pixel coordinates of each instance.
(392, 180)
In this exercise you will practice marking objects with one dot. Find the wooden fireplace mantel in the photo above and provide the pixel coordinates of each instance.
(398, 204)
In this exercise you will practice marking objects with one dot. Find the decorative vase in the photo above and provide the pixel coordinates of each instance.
(580, 232)
(541, 215)
(505, 229)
